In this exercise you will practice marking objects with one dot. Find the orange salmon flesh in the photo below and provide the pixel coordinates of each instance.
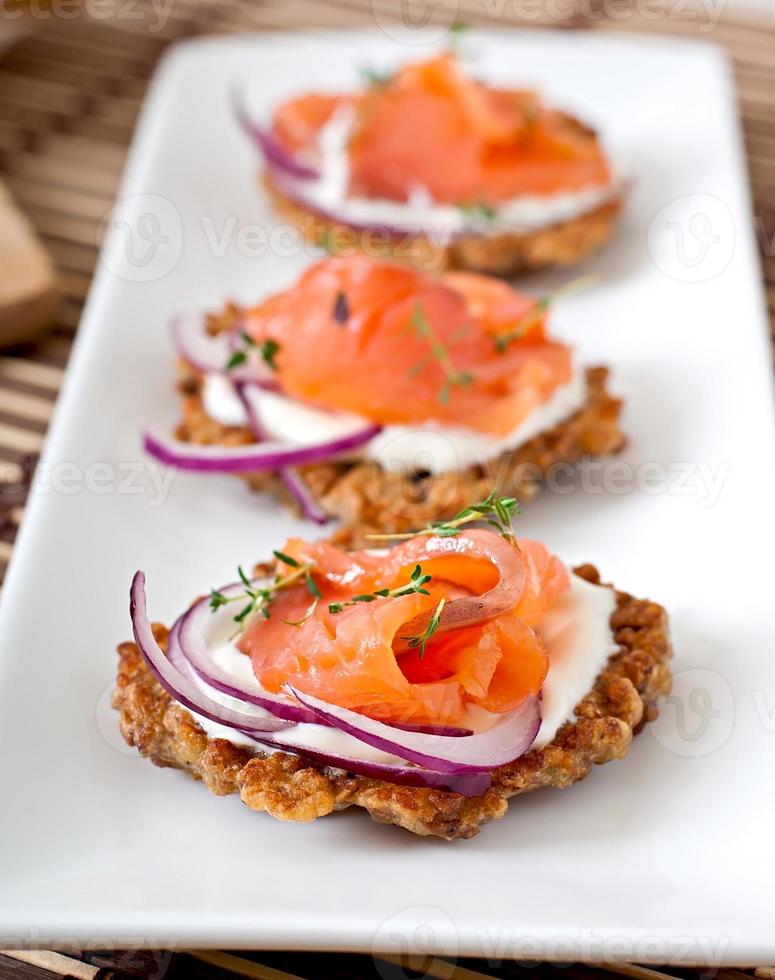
(358, 657)
(433, 127)
(397, 346)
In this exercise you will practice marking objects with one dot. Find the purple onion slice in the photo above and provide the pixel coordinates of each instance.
(506, 741)
(182, 688)
(253, 457)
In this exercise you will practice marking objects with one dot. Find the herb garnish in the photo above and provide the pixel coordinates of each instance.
(477, 209)
(375, 77)
(260, 598)
(300, 622)
(268, 349)
(456, 36)
(414, 586)
(452, 377)
(493, 510)
(536, 311)
(341, 309)
(433, 624)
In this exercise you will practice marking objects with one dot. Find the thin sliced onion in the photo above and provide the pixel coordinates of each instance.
(275, 154)
(188, 639)
(468, 610)
(253, 457)
(297, 487)
(295, 191)
(506, 741)
(292, 480)
(210, 353)
(467, 784)
(181, 687)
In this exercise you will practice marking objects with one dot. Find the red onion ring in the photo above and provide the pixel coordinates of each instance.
(458, 771)
(467, 784)
(272, 149)
(253, 457)
(187, 640)
(468, 610)
(210, 353)
(506, 741)
(294, 191)
(180, 687)
(292, 480)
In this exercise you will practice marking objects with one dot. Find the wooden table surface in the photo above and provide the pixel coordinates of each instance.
(70, 92)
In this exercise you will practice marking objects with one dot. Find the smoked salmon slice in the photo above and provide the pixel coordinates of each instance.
(413, 347)
(433, 129)
(349, 646)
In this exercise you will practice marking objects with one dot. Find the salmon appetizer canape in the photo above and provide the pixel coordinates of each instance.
(427, 682)
(384, 396)
(435, 167)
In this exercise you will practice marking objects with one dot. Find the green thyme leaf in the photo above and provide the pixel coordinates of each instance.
(433, 624)
(286, 559)
(269, 349)
(237, 358)
(310, 612)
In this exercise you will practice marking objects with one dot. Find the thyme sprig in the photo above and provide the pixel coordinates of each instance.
(268, 350)
(439, 351)
(374, 77)
(495, 511)
(537, 310)
(413, 587)
(477, 209)
(421, 639)
(260, 597)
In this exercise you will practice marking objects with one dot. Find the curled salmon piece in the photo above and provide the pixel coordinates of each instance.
(414, 347)
(432, 127)
(361, 649)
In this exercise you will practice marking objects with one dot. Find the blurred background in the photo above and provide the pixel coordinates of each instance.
(73, 74)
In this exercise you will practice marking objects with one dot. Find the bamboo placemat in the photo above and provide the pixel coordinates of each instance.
(69, 96)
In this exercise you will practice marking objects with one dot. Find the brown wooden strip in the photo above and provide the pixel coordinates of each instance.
(74, 285)
(74, 48)
(69, 317)
(104, 129)
(45, 92)
(30, 407)
(53, 224)
(71, 73)
(73, 256)
(55, 963)
(63, 199)
(66, 172)
(41, 375)
(80, 148)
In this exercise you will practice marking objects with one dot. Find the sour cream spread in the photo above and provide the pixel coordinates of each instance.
(430, 446)
(578, 637)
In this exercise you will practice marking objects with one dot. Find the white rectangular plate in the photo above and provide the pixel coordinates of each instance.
(664, 856)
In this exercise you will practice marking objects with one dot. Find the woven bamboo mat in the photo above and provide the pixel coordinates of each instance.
(70, 93)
